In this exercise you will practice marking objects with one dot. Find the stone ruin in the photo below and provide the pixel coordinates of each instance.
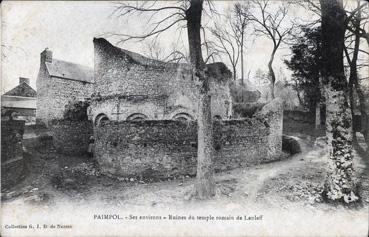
(168, 148)
(143, 114)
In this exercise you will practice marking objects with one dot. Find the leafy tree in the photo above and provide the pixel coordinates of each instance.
(305, 64)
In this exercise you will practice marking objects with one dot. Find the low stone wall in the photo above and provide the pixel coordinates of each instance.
(164, 148)
(272, 112)
(12, 173)
(12, 162)
(71, 137)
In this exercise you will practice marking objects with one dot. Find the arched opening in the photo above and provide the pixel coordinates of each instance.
(101, 118)
(136, 117)
(182, 117)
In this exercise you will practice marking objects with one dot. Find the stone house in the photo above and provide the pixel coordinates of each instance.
(20, 101)
(57, 83)
(129, 86)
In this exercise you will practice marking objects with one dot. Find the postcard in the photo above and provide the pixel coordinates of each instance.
(185, 118)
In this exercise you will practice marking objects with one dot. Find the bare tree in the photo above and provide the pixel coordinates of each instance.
(175, 13)
(311, 5)
(340, 183)
(153, 49)
(226, 43)
(230, 38)
(357, 20)
(270, 23)
(211, 52)
(352, 57)
(239, 27)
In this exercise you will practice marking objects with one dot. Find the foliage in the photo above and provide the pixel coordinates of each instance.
(76, 110)
(284, 91)
(6, 112)
(242, 94)
(246, 110)
(262, 77)
(306, 66)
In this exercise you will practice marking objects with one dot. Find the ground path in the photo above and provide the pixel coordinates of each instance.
(284, 192)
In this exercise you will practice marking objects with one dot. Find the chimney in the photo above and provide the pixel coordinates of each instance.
(23, 79)
(47, 56)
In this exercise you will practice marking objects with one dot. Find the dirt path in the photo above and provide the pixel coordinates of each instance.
(284, 193)
(274, 184)
(253, 179)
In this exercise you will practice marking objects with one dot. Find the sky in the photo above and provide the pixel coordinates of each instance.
(67, 28)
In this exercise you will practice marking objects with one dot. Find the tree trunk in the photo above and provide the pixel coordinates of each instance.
(364, 112)
(353, 68)
(242, 69)
(205, 184)
(339, 184)
(354, 78)
(318, 118)
(322, 99)
(271, 72)
(234, 73)
(352, 108)
(298, 94)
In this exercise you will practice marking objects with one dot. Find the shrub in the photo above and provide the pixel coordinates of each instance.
(76, 110)
(244, 110)
(242, 94)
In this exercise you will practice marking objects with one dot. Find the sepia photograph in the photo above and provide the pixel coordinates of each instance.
(185, 118)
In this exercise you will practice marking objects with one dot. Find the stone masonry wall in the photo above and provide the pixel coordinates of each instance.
(272, 112)
(169, 148)
(153, 108)
(116, 72)
(71, 137)
(119, 72)
(54, 93)
(12, 162)
(62, 91)
(42, 85)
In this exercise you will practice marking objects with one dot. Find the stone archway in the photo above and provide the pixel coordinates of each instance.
(100, 118)
(136, 117)
(182, 117)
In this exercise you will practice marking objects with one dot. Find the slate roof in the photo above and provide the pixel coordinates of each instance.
(22, 89)
(72, 71)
